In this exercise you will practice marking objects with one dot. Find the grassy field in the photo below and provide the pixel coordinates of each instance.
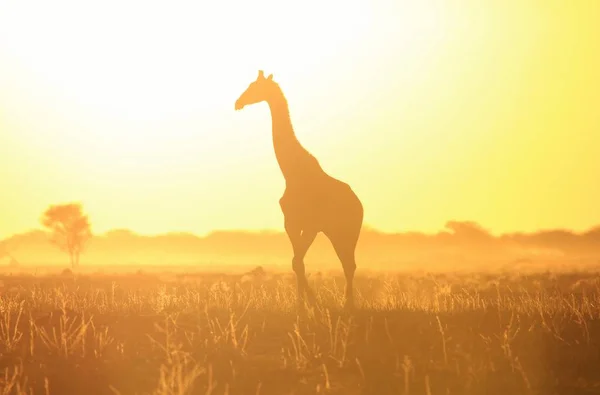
(161, 333)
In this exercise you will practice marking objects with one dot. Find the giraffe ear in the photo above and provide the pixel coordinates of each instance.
(270, 77)
(261, 74)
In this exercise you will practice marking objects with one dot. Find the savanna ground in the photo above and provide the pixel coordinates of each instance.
(151, 333)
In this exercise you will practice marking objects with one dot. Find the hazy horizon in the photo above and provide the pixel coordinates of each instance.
(366, 228)
(460, 245)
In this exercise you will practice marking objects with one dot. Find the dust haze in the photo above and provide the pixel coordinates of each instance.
(461, 245)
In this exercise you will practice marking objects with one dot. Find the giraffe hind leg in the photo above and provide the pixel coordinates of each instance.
(344, 244)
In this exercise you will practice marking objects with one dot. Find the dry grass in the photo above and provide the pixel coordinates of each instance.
(217, 334)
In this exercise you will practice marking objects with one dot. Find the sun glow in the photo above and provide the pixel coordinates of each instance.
(126, 81)
(118, 59)
(163, 60)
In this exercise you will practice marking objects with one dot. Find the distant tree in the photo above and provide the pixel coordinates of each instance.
(70, 228)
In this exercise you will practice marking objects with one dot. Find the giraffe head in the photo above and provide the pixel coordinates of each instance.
(258, 91)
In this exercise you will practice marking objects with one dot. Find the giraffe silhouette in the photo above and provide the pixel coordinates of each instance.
(313, 200)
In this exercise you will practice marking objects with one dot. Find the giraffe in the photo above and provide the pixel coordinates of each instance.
(313, 201)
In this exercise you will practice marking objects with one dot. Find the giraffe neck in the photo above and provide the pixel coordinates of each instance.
(294, 160)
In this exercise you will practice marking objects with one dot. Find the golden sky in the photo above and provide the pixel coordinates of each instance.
(431, 110)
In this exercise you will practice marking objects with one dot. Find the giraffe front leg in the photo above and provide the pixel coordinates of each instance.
(301, 241)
